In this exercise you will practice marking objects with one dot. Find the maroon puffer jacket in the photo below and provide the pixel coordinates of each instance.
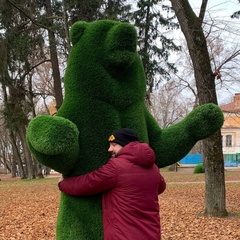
(130, 184)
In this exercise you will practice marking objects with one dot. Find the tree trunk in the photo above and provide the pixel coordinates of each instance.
(215, 193)
(14, 168)
(54, 58)
(27, 154)
(16, 156)
(215, 196)
(39, 172)
(66, 28)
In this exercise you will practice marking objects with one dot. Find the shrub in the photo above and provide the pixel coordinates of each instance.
(199, 168)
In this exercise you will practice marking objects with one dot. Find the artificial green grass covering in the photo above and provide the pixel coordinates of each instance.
(53, 140)
(104, 90)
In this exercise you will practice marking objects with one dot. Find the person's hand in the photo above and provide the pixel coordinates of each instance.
(60, 180)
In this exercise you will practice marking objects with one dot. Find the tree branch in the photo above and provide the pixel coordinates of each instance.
(228, 59)
(31, 18)
(36, 65)
(202, 11)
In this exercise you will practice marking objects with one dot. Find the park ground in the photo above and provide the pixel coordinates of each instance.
(29, 208)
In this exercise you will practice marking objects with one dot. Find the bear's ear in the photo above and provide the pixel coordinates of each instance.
(77, 31)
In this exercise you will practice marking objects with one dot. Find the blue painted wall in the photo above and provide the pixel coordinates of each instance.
(191, 159)
(231, 160)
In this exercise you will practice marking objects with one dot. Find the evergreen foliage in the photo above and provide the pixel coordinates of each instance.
(151, 19)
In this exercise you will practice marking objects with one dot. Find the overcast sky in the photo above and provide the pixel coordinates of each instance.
(220, 11)
(219, 8)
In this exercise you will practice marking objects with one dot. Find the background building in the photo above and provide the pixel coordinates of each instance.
(231, 130)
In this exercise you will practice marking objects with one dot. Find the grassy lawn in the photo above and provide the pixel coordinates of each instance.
(29, 208)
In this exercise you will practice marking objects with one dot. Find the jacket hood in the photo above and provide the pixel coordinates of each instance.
(138, 153)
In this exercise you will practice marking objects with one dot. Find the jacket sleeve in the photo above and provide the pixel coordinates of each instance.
(162, 185)
(94, 182)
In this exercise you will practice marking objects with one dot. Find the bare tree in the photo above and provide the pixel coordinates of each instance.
(191, 26)
(169, 105)
(224, 58)
(54, 56)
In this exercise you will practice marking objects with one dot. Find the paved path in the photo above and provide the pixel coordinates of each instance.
(190, 167)
(233, 181)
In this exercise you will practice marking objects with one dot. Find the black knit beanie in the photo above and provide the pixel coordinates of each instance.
(123, 136)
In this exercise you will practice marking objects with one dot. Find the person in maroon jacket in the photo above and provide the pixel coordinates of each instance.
(130, 183)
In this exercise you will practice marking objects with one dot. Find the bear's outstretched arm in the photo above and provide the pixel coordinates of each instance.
(53, 141)
(173, 143)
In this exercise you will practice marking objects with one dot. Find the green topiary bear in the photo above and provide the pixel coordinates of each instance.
(104, 91)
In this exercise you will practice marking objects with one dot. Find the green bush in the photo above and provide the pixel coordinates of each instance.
(199, 168)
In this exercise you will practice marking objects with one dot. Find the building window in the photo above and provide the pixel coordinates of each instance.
(229, 141)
